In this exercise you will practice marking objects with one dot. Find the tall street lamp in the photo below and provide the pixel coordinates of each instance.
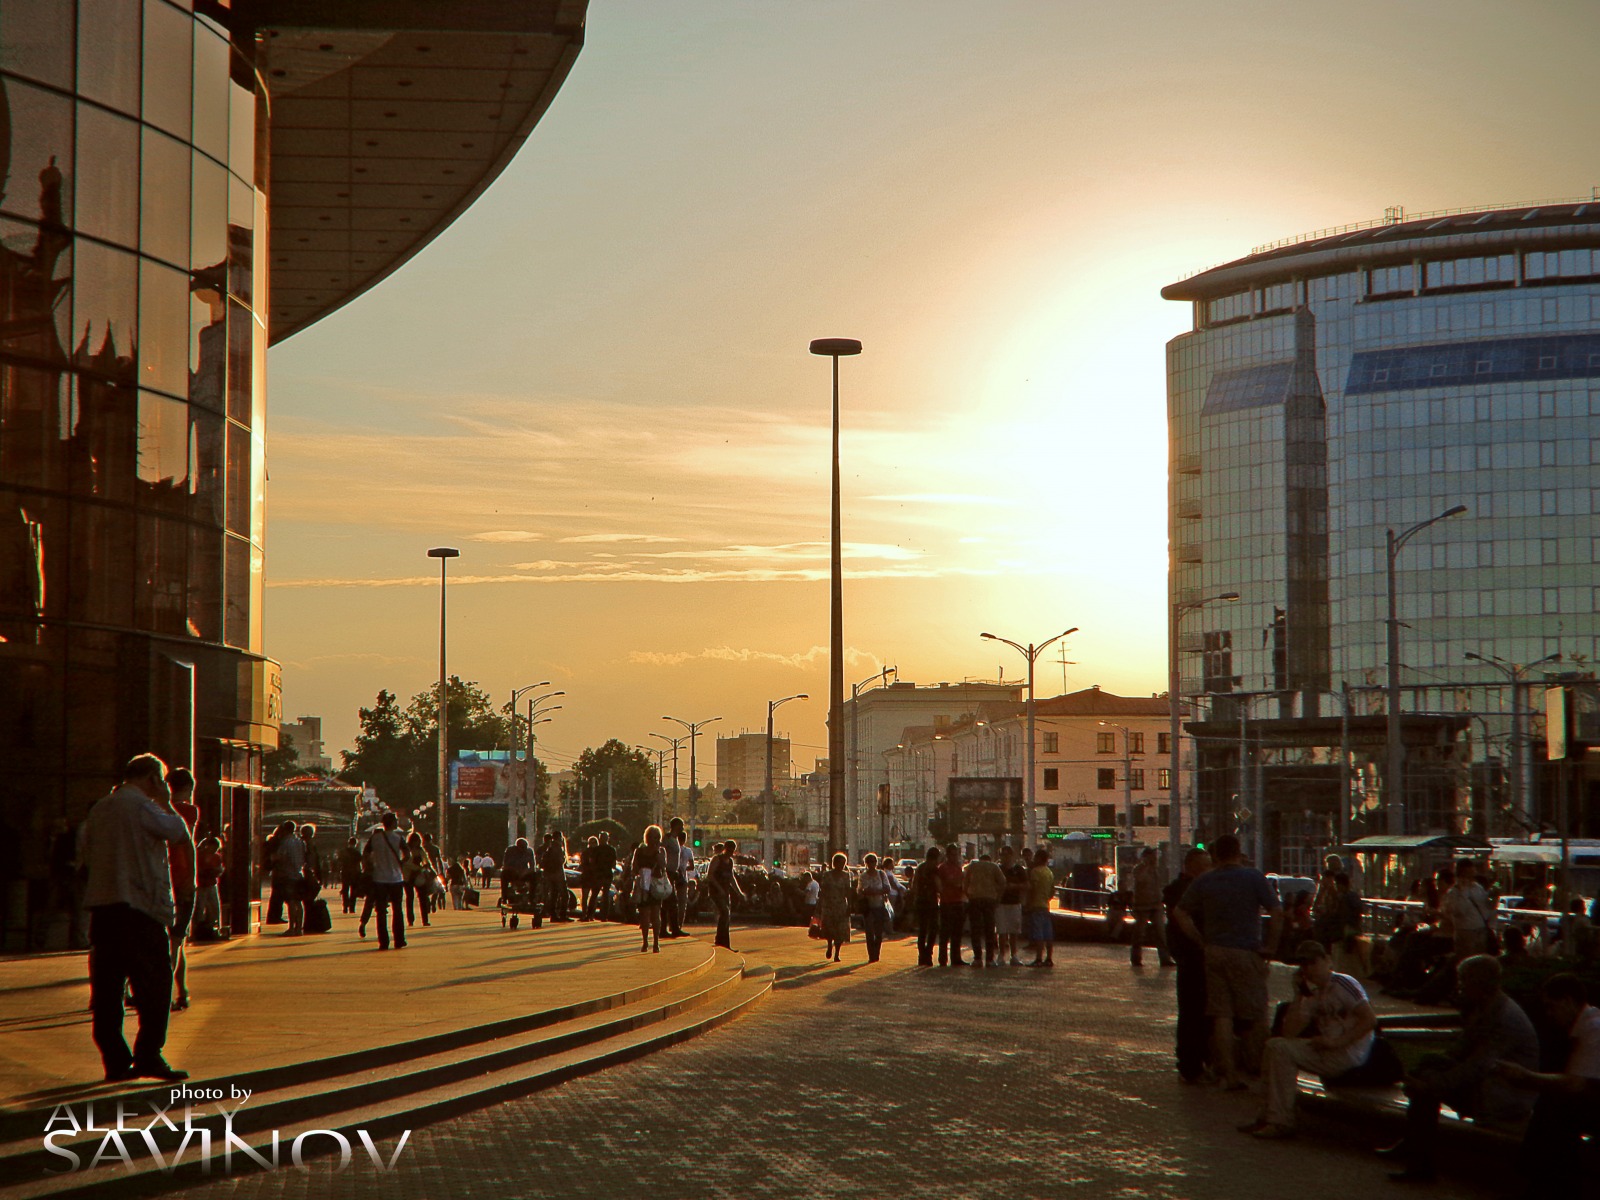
(1127, 776)
(1516, 674)
(1394, 781)
(768, 842)
(661, 768)
(694, 779)
(835, 348)
(855, 740)
(443, 554)
(1174, 705)
(1031, 653)
(674, 742)
(516, 806)
(534, 713)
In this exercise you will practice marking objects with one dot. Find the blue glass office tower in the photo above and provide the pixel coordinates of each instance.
(1369, 379)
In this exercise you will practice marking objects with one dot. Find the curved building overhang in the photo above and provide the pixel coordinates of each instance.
(388, 118)
(1549, 226)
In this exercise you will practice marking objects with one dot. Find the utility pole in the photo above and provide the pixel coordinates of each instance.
(608, 793)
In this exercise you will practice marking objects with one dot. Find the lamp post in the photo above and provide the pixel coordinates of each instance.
(674, 742)
(694, 783)
(514, 816)
(661, 767)
(855, 741)
(1031, 653)
(768, 842)
(443, 554)
(1516, 674)
(1394, 782)
(835, 348)
(1174, 704)
(534, 713)
(1127, 776)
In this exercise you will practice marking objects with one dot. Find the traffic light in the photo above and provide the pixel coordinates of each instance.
(697, 841)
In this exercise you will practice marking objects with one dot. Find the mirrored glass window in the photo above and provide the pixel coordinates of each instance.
(208, 235)
(168, 57)
(161, 597)
(209, 470)
(242, 121)
(38, 180)
(241, 239)
(108, 53)
(108, 176)
(163, 453)
(236, 592)
(33, 531)
(205, 583)
(164, 199)
(102, 564)
(163, 328)
(104, 439)
(208, 343)
(241, 370)
(36, 276)
(36, 40)
(34, 413)
(238, 507)
(105, 326)
(210, 90)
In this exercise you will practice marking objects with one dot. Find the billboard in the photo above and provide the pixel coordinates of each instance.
(992, 806)
(486, 777)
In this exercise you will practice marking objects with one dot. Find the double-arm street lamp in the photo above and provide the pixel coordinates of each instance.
(880, 677)
(835, 348)
(1031, 653)
(443, 554)
(1180, 609)
(1127, 776)
(536, 717)
(1516, 675)
(694, 728)
(1394, 781)
(768, 842)
(674, 742)
(520, 804)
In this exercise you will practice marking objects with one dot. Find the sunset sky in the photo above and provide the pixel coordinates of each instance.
(596, 383)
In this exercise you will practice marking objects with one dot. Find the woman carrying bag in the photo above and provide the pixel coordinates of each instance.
(652, 887)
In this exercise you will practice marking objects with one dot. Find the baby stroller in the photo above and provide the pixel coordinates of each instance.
(518, 898)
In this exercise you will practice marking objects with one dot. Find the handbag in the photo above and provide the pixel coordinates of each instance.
(814, 930)
(661, 888)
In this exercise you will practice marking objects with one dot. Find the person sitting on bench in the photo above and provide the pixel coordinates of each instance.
(1327, 1028)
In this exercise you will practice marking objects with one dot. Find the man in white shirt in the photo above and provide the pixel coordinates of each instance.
(680, 862)
(1467, 913)
(1328, 1029)
(385, 852)
(1569, 1103)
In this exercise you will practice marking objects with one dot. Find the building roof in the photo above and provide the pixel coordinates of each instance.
(389, 118)
(1094, 702)
(1399, 239)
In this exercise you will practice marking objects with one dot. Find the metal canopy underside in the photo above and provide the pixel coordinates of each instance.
(387, 121)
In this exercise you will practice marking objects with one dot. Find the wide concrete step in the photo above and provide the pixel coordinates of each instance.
(386, 1100)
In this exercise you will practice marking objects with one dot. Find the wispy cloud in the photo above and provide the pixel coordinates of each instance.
(805, 658)
(944, 498)
(506, 535)
(631, 573)
(619, 537)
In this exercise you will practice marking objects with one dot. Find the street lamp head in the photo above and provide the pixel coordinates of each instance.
(1228, 596)
(1474, 657)
(1454, 512)
(835, 347)
(990, 636)
(444, 552)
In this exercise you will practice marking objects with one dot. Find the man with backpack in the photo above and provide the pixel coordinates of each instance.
(385, 852)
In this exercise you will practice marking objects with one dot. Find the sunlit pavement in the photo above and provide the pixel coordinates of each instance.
(865, 1080)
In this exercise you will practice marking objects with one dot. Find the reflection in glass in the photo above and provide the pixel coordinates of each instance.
(161, 601)
(258, 486)
(238, 511)
(38, 182)
(108, 176)
(33, 410)
(241, 239)
(242, 121)
(240, 369)
(164, 199)
(258, 583)
(208, 346)
(108, 53)
(104, 439)
(36, 40)
(205, 583)
(210, 90)
(209, 466)
(31, 564)
(236, 592)
(35, 296)
(163, 328)
(163, 453)
(168, 35)
(102, 565)
(208, 236)
(105, 289)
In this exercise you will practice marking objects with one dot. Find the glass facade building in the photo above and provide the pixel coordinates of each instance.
(149, 151)
(1336, 388)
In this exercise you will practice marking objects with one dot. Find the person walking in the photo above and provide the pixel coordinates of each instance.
(417, 891)
(723, 885)
(129, 897)
(985, 884)
(553, 875)
(288, 875)
(834, 907)
(349, 875)
(1466, 913)
(181, 859)
(586, 878)
(652, 886)
(209, 867)
(605, 870)
(952, 907)
(1036, 909)
(680, 861)
(925, 905)
(460, 871)
(385, 856)
(1148, 913)
(1193, 1031)
(873, 889)
(1222, 910)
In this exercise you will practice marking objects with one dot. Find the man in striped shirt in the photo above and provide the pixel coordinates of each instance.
(1328, 1029)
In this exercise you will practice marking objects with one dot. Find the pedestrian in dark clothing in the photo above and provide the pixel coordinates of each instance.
(925, 900)
(723, 885)
(385, 857)
(952, 907)
(350, 875)
(1194, 1028)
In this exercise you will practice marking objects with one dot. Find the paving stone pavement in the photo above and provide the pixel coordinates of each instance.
(865, 1080)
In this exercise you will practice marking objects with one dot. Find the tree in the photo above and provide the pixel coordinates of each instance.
(388, 757)
(473, 723)
(633, 773)
(282, 764)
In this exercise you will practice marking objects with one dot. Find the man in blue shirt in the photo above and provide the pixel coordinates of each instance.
(1228, 902)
